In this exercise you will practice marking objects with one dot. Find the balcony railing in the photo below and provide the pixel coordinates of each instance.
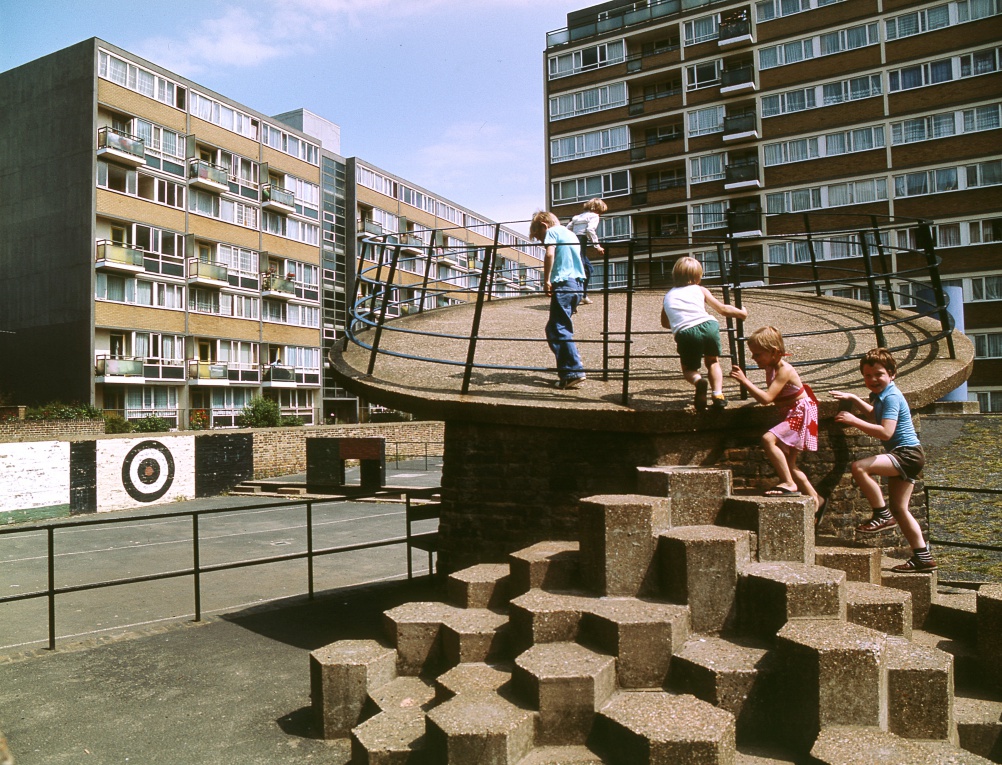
(740, 123)
(206, 175)
(201, 270)
(649, 11)
(278, 373)
(744, 171)
(207, 370)
(273, 196)
(119, 257)
(119, 366)
(744, 221)
(278, 286)
(734, 29)
(116, 144)
(371, 227)
(734, 78)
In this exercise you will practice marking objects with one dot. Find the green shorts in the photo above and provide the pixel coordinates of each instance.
(697, 342)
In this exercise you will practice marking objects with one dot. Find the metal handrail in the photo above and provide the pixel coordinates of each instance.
(370, 312)
(197, 568)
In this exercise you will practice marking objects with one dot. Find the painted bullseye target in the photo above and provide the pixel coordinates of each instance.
(148, 471)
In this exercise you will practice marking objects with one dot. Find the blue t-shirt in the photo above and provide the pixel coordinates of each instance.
(567, 257)
(890, 404)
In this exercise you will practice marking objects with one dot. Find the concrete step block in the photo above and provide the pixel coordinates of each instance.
(979, 725)
(568, 684)
(474, 635)
(562, 755)
(404, 694)
(482, 586)
(699, 567)
(545, 566)
(389, 738)
(828, 673)
(618, 542)
(641, 634)
(758, 754)
(342, 675)
(884, 609)
(771, 594)
(414, 629)
(473, 678)
(967, 672)
(479, 728)
(241, 489)
(731, 674)
(954, 614)
(919, 691)
(658, 728)
(861, 564)
(539, 616)
(291, 491)
(921, 586)
(989, 626)
(697, 494)
(849, 745)
(784, 525)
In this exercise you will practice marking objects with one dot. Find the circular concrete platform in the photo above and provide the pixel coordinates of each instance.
(511, 334)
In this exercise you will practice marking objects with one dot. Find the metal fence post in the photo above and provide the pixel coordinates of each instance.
(871, 283)
(924, 239)
(52, 587)
(813, 255)
(309, 547)
(387, 289)
(196, 566)
(471, 351)
(627, 337)
(882, 256)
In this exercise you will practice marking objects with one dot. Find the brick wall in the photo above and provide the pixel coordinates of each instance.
(49, 430)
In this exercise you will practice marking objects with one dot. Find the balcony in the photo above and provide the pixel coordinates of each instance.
(740, 126)
(742, 174)
(279, 376)
(739, 80)
(274, 286)
(209, 274)
(744, 223)
(120, 258)
(277, 199)
(208, 372)
(118, 366)
(734, 32)
(652, 10)
(205, 175)
(120, 147)
(370, 227)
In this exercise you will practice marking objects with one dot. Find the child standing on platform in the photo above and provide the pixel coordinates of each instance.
(585, 226)
(890, 420)
(799, 429)
(697, 334)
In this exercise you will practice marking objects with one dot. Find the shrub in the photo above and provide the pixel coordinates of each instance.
(292, 421)
(199, 419)
(116, 423)
(152, 424)
(56, 410)
(260, 413)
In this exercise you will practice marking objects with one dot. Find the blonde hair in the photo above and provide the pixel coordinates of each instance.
(542, 220)
(767, 339)
(596, 205)
(686, 271)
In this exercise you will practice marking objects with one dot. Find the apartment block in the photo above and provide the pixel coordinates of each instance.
(694, 119)
(166, 251)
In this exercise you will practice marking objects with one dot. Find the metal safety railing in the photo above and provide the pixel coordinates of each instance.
(856, 257)
(197, 569)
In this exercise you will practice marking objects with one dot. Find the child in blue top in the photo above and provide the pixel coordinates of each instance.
(889, 420)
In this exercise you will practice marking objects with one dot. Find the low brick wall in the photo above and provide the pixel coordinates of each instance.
(49, 430)
(282, 451)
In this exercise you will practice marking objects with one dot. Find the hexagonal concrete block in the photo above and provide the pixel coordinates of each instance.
(479, 728)
(567, 683)
(989, 610)
(482, 586)
(415, 630)
(851, 745)
(698, 566)
(921, 586)
(617, 541)
(861, 564)
(919, 691)
(657, 728)
(389, 738)
(979, 726)
(885, 609)
(771, 594)
(784, 525)
(474, 634)
(545, 617)
(341, 676)
(405, 694)
(642, 635)
(828, 673)
(473, 678)
(697, 494)
(545, 565)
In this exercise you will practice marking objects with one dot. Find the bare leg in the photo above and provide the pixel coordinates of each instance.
(691, 375)
(901, 492)
(801, 479)
(778, 460)
(863, 472)
(715, 374)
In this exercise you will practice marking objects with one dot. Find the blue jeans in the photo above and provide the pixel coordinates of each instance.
(560, 329)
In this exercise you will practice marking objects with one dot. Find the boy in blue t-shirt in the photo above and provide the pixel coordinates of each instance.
(891, 422)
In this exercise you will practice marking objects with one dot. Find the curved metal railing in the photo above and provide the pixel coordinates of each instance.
(853, 258)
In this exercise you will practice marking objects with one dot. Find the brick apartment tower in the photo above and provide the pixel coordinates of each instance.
(695, 117)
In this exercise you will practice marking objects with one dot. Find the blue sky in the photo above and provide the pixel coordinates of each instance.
(445, 93)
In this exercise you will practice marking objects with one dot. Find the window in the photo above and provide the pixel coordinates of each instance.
(849, 39)
(135, 78)
(985, 231)
(703, 29)
(615, 227)
(970, 10)
(589, 144)
(709, 215)
(791, 151)
(832, 195)
(579, 189)
(707, 168)
(583, 60)
(830, 93)
(982, 118)
(982, 62)
(587, 101)
(774, 9)
(227, 117)
(710, 261)
(915, 23)
(702, 75)
(988, 345)
(986, 288)
(239, 306)
(290, 144)
(788, 53)
(988, 400)
(789, 102)
(944, 70)
(705, 121)
(851, 90)
(923, 128)
(984, 174)
(164, 148)
(926, 182)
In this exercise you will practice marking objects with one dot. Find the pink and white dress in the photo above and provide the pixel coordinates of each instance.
(799, 428)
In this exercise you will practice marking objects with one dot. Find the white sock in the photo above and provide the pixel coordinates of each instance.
(718, 393)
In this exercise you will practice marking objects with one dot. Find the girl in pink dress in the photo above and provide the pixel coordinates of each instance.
(798, 431)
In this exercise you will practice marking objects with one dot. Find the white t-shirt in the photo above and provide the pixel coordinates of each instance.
(685, 307)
